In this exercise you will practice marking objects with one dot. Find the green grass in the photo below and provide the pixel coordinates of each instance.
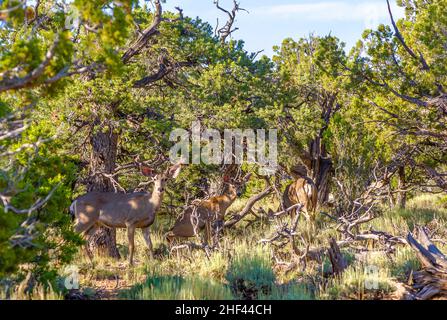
(250, 272)
(290, 291)
(244, 269)
(359, 282)
(20, 292)
(177, 288)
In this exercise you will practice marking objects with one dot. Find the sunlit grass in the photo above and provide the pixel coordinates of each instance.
(359, 282)
(21, 292)
(250, 272)
(243, 268)
(177, 288)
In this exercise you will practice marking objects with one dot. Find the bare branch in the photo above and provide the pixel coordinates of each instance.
(248, 206)
(37, 205)
(227, 29)
(165, 68)
(34, 145)
(145, 35)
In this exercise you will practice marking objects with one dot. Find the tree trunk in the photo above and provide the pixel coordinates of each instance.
(338, 262)
(321, 169)
(103, 160)
(401, 195)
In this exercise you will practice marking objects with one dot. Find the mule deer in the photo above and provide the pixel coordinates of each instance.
(302, 190)
(123, 210)
(207, 212)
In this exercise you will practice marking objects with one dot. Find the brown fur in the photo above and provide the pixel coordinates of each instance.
(208, 212)
(122, 210)
(304, 191)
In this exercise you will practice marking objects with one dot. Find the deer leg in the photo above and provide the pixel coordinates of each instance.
(147, 239)
(86, 230)
(218, 232)
(208, 234)
(306, 213)
(130, 238)
(293, 214)
(86, 246)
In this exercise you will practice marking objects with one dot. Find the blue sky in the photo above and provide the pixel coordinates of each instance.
(269, 22)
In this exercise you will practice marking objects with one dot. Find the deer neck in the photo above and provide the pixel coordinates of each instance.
(228, 198)
(156, 199)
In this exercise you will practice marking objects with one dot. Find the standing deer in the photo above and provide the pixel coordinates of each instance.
(302, 190)
(123, 210)
(207, 212)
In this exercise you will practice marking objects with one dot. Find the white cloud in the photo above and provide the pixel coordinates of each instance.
(369, 12)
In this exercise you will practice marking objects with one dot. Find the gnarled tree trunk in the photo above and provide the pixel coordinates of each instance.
(321, 168)
(103, 160)
(317, 159)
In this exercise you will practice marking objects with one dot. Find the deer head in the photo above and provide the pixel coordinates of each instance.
(235, 186)
(160, 179)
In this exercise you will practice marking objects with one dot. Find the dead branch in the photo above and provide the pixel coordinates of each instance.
(280, 213)
(165, 68)
(37, 205)
(25, 234)
(145, 35)
(439, 178)
(34, 145)
(227, 29)
(192, 246)
(404, 44)
(284, 231)
(338, 262)
(248, 207)
(432, 279)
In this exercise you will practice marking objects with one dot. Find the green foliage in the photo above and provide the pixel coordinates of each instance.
(396, 80)
(51, 243)
(361, 105)
(177, 288)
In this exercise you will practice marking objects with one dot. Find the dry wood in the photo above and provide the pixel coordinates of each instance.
(432, 279)
(248, 207)
(284, 231)
(227, 29)
(337, 260)
(142, 40)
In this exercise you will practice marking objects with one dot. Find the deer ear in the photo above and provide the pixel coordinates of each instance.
(147, 171)
(174, 171)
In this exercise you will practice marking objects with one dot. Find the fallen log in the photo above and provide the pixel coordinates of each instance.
(431, 281)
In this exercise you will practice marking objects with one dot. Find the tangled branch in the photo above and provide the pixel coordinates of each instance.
(224, 32)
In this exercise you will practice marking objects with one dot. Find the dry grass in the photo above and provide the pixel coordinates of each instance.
(241, 256)
(20, 292)
(242, 263)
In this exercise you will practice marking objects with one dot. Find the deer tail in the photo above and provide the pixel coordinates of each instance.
(73, 210)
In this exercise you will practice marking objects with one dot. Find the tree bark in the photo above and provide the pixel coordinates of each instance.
(103, 160)
(338, 262)
(321, 168)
